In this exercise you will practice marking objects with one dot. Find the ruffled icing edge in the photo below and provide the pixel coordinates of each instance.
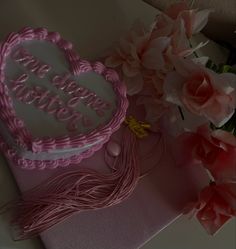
(29, 164)
(16, 126)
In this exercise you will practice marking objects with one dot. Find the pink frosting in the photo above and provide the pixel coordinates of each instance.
(12, 155)
(78, 93)
(48, 102)
(16, 126)
(31, 63)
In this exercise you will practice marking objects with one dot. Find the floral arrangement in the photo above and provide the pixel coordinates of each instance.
(178, 89)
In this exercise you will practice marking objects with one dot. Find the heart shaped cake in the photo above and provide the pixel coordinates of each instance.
(56, 108)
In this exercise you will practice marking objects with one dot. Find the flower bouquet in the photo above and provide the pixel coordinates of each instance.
(189, 97)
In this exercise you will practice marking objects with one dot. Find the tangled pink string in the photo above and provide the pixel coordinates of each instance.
(61, 196)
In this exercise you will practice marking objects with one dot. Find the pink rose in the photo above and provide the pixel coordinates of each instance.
(179, 22)
(215, 150)
(224, 166)
(202, 91)
(193, 147)
(138, 56)
(162, 26)
(125, 57)
(215, 206)
(194, 20)
(175, 30)
(143, 52)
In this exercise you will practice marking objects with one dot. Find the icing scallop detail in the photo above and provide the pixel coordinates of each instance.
(98, 67)
(4, 50)
(17, 128)
(72, 56)
(45, 164)
(53, 37)
(64, 44)
(84, 67)
(13, 39)
(111, 75)
(40, 33)
(51, 164)
(27, 33)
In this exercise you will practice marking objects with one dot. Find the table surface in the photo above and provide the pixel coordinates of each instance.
(80, 22)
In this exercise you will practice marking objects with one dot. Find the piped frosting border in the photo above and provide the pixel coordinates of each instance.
(17, 127)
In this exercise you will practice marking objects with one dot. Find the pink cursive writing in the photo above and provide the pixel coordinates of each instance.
(34, 65)
(47, 102)
(78, 93)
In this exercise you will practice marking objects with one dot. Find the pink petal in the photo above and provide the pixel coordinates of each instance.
(141, 43)
(138, 28)
(201, 20)
(130, 69)
(174, 10)
(153, 57)
(113, 61)
(185, 67)
(219, 112)
(209, 224)
(188, 16)
(192, 121)
(228, 193)
(218, 207)
(230, 79)
(225, 82)
(179, 39)
(160, 43)
(225, 137)
(172, 87)
(124, 46)
(162, 26)
(201, 60)
(154, 108)
(134, 54)
(224, 167)
(134, 84)
(158, 84)
(186, 142)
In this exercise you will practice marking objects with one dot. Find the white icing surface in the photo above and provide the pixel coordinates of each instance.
(41, 123)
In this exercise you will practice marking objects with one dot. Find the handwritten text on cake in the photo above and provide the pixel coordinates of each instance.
(49, 102)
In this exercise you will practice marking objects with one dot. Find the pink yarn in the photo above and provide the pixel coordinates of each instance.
(61, 196)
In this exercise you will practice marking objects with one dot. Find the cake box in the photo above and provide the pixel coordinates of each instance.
(56, 108)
